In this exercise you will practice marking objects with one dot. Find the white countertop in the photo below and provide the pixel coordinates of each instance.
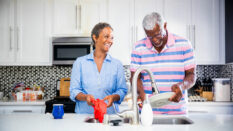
(75, 122)
(42, 102)
(22, 103)
(210, 103)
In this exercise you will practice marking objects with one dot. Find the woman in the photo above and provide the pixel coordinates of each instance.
(98, 75)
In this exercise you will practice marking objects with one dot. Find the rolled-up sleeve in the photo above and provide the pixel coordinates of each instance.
(75, 83)
(189, 57)
(121, 84)
(135, 60)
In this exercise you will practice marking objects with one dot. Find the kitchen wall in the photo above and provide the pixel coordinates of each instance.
(47, 76)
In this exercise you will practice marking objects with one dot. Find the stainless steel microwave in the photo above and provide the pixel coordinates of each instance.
(67, 49)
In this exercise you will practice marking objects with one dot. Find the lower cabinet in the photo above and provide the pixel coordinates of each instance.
(11, 109)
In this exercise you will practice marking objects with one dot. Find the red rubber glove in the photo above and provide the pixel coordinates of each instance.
(100, 108)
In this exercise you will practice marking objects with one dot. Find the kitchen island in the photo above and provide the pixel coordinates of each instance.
(75, 122)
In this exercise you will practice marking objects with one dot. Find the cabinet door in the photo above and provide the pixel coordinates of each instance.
(177, 14)
(142, 8)
(122, 25)
(22, 109)
(92, 12)
(6, 32)
(66, 16)
(33, 38)
(205, 18)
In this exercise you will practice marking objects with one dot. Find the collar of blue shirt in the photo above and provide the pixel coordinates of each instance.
(91, 57)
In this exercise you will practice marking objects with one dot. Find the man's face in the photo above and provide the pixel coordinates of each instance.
(156, 36)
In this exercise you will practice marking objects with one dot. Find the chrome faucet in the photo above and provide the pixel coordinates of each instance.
(133, 113)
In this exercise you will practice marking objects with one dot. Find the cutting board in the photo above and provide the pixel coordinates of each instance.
(64, 87)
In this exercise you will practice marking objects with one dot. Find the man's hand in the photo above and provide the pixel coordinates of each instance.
(111, 99)
(141, 98)
(178, 93)
(88, 99)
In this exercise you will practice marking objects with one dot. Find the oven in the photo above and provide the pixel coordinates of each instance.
(67, 49)
(61, 98)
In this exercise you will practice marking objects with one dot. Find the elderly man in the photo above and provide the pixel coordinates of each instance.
(170, 58)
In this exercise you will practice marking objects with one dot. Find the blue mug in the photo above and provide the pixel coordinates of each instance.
(58, 111)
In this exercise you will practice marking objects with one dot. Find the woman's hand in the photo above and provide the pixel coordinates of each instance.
(111, 99)
(89, 99)
(178, 92)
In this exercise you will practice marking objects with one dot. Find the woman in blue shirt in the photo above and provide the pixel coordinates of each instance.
(98, 75)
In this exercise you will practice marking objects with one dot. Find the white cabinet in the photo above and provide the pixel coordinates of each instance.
(198, 21)
(93, 12)
(205, 18)
(178, 16)
(122, 25)
(22, 109)
(141, 9)
(25, 32)
(7, 53)
(126, 17)
(66, 16)
(77, 17)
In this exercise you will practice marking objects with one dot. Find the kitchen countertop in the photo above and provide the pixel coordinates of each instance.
(74, 122)
(23, 103)
(211, 103)
(42, 102)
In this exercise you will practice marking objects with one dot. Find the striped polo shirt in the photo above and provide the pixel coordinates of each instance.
(168, 67)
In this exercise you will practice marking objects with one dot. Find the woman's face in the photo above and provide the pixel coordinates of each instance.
(105, 39)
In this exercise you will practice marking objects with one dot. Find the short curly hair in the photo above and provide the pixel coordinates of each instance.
(98, 28)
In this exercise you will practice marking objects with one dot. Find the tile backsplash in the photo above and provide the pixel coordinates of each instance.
(47, 76)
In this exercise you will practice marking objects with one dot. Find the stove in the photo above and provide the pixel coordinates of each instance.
(69, 105)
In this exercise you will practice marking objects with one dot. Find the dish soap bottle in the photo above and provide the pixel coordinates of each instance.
(146, 113)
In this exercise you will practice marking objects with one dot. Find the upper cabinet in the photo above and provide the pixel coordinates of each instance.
(206, 32)
(66, 16)
(122, 24)
(7, 53)
(27, 26)
(24, 32)
(125, 16)
(77, 17)
(141, 9)
(198, 21)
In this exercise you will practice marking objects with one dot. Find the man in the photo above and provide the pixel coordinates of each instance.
(170, 58)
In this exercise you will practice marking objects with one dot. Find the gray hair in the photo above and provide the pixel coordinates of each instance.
(151, 20)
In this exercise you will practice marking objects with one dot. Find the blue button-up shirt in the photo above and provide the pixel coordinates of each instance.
(86, 79)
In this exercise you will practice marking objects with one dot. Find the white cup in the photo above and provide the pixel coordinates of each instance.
(1, 95)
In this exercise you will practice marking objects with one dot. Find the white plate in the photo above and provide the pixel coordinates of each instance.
(161, 99)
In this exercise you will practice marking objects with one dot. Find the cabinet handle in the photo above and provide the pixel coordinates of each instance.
(191, 35)
(76, 17)
(132, 36)
(136, 31)
(21, 111)
(10, 38)
(188, 32)
(80, 15)
(18, 38)
(194, 37)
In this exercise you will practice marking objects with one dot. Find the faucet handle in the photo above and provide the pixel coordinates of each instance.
(154, 88)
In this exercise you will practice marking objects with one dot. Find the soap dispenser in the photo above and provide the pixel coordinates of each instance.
(146, 112)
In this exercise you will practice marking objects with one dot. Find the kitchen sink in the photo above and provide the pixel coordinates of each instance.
(168, 120)
(172, 120)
